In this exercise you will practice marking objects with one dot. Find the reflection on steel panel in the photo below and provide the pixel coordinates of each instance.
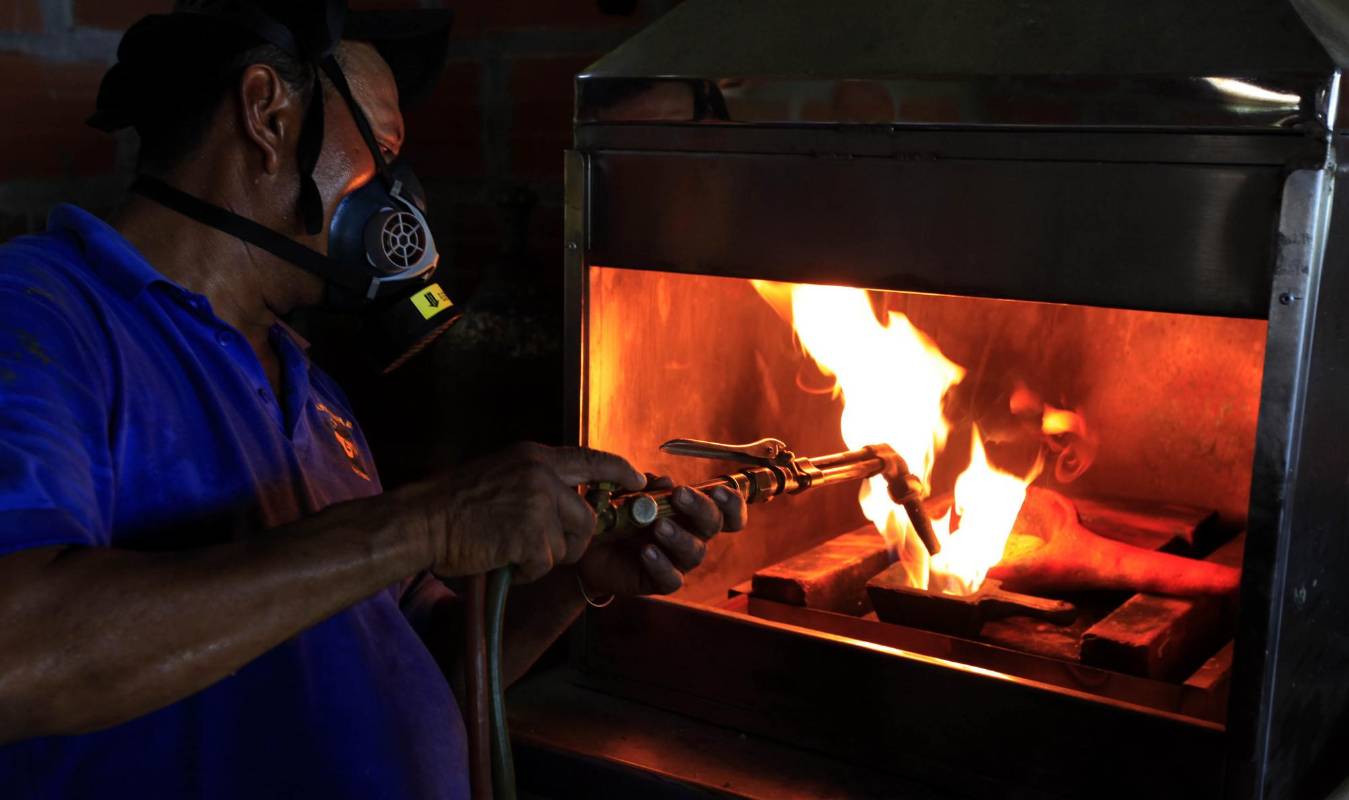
(1183, 238)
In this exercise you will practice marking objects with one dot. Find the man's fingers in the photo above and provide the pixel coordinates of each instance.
(664, 577)
(578, 523)
(535, 565)
(559, 544)
(702, 516)
(732, 505)
(654, 482)
(685, 550)
(577, 465)
(530, 572)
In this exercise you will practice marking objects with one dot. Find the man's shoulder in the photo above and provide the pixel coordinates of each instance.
(45, 268)
(49, 297)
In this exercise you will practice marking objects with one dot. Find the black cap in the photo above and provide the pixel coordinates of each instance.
(413, 42)
(193, 46)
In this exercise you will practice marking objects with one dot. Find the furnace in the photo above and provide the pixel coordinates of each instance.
(1077, 266)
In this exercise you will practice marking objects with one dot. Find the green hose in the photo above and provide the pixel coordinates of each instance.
(503, 766)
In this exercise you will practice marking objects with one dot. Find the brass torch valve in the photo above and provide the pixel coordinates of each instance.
(771, 469)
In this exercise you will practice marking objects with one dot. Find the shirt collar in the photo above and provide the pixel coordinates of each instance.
(300, 342)
(109, 253)
(121, 264)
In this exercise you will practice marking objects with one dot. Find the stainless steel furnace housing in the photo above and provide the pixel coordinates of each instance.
(1177, 157)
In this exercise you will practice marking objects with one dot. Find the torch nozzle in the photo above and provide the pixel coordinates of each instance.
(908, 490)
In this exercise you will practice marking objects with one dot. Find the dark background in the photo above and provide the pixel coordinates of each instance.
(487, 142)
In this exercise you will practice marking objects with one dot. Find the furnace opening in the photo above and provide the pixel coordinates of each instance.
(1107, 435)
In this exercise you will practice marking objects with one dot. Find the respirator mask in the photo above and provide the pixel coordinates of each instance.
(380, 232)
(381, 252)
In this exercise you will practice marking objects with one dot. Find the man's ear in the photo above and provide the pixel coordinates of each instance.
(272, 114)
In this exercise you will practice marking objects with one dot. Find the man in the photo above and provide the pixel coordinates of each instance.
(203, 591)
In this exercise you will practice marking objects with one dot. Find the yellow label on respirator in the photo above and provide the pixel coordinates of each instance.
(431, 301)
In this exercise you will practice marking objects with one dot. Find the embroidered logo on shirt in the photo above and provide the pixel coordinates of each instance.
(342, 432)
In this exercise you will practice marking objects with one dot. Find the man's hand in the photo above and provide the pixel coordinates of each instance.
(655, 562)
(489, 502)
(519, 507)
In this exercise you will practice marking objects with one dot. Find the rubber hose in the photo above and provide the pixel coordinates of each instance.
(503, 765)
(478, 722)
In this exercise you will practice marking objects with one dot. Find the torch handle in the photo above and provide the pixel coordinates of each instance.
(663, 497)
(619, 516)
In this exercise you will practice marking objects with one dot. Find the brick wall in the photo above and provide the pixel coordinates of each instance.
(500, 116)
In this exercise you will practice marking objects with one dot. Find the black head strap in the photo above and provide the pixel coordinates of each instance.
(314, 47)
(282, 247)
(330, 68)
(317, 51)
(307, 157)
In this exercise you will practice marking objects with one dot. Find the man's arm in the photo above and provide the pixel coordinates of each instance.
(90, 637)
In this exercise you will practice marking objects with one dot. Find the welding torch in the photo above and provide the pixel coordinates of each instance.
(770, 470)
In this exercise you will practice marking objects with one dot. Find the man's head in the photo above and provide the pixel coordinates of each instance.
(253, 125)
(198, 92)
(257, 118)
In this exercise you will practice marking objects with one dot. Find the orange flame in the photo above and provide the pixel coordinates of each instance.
(893, 378)
(987, 501)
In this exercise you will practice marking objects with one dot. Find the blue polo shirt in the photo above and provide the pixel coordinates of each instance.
(131, 416)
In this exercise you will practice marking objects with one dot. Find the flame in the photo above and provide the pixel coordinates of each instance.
(987, 501)
(893, 379)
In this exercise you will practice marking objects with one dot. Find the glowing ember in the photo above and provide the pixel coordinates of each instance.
(892, 379)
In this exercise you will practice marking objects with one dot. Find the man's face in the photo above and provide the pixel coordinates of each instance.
(345, 163)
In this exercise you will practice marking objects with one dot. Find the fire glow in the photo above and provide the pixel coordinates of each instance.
(892, 379)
